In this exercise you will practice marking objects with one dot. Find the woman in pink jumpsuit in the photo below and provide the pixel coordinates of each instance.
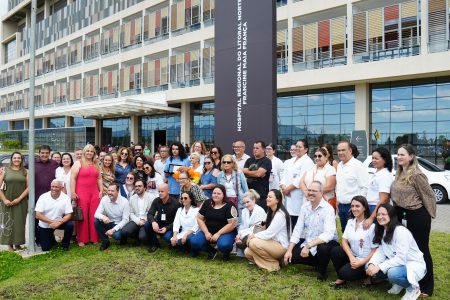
(86, 181)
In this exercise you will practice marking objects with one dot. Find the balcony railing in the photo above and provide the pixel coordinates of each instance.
(391, 50)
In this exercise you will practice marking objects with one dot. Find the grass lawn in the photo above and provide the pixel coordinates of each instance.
(132, 273)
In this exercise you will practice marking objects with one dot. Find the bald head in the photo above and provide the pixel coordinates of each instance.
(163, 191)
(55, 188)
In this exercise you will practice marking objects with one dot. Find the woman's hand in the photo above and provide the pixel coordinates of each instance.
(250, 237)
(74, 197)
(214, 238)
(184, 239)
(173, 241)
(100, 195)
(367, 223)
(208, 236)
(372, 270)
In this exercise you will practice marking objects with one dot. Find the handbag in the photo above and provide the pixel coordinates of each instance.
(77, 214)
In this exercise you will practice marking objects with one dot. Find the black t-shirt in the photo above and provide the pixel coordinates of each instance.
(259, 184)
(216, 219)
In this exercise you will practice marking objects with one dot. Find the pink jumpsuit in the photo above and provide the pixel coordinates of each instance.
(87, 190)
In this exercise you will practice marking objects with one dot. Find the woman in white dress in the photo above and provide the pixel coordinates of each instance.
(63, 172)
(185, 222)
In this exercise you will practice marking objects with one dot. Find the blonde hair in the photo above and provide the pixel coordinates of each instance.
(111, 168)
(201, 145)
(252, 194)
(84, 161)
(195, 155)
(404, 175)
(234, 164)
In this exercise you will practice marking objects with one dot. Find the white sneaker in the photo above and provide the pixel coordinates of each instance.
(395, 289)
(411, 294)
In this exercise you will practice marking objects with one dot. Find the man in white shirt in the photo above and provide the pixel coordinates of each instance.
(54, 210)
(294, 169)
(352, 179)
(140, 204)
(316, 223)
(160, 163)
(111, 215)
(239, 154)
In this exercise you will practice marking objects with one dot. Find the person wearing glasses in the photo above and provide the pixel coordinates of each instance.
(322, 171)
(314, 234)
(233, 180)
(127, 189)
(154, 179)
(123, 166)
(176, 159)
(239, 154)
(187, 186)
(209, 177)
(216, 155)
(138, 150)
(185, 223)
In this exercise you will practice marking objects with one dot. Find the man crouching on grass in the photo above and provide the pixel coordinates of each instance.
(53, 210)
(111, 215)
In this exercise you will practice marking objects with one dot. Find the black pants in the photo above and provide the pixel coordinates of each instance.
(131, 229)
(320, 260)
(48, 238)
(419, 223)
(341, 264)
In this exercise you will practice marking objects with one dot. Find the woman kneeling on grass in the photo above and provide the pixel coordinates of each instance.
(217, 221)
(357, 245)
(398, 259)
(267, 247)
(185, 223)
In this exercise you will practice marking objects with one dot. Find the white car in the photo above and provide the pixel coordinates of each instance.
(438, 178)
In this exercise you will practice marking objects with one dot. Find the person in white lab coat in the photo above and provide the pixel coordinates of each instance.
(398, 259)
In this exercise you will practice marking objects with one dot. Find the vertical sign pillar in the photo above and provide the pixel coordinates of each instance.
(245, 72)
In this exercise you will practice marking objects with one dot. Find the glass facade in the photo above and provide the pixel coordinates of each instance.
(81, 122)
(56, 122)
(59, 139)
(320, 116)
(415, 112)
(116, 132)
(202, 126)
(38, 124)
(18, 125)
(171, 124)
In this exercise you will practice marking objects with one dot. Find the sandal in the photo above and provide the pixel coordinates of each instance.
(80, 244)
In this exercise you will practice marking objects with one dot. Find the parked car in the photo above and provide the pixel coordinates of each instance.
(439, 179)
(5, 159)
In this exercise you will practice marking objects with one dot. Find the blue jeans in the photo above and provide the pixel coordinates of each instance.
(153, 236)
(187, 246)
(48, 238)
(102, 228)
(396, 275)
(344, 214)
(224, 243)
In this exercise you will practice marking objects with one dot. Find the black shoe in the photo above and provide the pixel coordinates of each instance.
(338, 285)
(122, 242)
(212, 254)
(226, 257)
(152, 249)
(322, 277)
(104, 246)
(65, 248)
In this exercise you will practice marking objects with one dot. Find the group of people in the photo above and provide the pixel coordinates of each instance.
(269, 211)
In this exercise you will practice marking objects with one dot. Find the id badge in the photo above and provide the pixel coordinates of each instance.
(405, 223)
(163, 217)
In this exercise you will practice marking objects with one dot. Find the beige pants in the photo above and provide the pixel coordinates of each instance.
(266, 254)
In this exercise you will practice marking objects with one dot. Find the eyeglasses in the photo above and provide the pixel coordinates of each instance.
(292, 150)
(132, 178)
(137, 149)
(182, 178)
(207, 162)
(214, 152)
(124, 153)
(147, 168)
(227, 162)
(184, 198)
(318, 156)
